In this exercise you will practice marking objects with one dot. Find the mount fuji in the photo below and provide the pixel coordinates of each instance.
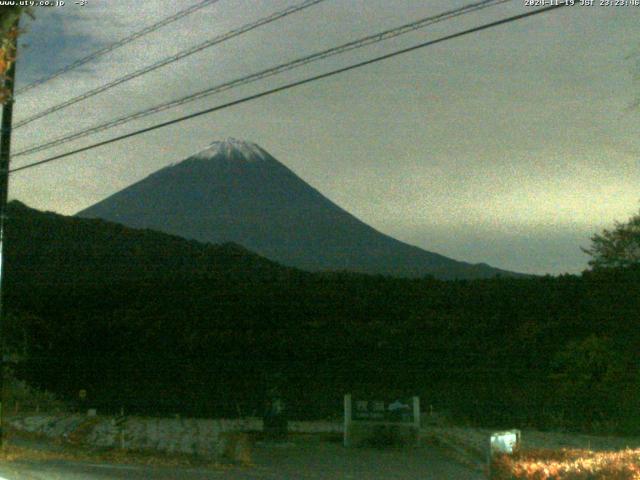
(235, 191)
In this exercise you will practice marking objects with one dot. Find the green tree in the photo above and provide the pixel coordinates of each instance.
(589, 381)
(8, 16)
(618, 247)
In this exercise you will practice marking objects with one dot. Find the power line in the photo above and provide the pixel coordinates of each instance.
(118, 44)
(294, 84)
(360, 43)
(174, 58)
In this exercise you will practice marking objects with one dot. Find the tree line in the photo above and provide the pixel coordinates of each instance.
(158, 324)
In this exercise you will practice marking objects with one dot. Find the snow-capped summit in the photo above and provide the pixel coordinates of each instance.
(234, 148)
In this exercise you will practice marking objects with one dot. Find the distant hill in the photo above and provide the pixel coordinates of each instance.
(48, 247)
(235, 191)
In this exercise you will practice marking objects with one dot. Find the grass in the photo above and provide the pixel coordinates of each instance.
(560, 453)
(567, 464)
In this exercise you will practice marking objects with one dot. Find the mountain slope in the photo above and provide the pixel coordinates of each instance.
(235, 191)
(45, 250)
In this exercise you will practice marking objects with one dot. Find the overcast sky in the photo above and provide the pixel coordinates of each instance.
(509, 146)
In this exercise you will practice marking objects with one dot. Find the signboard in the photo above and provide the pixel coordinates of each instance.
(398, 410)
(505, 442)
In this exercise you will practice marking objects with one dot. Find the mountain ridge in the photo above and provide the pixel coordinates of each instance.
(235, 191)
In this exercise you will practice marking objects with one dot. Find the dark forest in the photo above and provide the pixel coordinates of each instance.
(156, 324)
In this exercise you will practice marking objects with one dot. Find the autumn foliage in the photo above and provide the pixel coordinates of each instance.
(567, 464)
(8, 36)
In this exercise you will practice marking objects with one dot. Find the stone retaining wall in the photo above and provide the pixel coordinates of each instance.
(172, 435)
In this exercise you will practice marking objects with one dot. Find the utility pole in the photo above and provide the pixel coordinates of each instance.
(5, 156)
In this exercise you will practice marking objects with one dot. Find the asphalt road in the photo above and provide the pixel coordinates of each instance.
(86, 471)
(310, 460)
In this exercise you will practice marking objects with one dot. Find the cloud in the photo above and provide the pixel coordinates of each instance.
(520, 125)
(49, 42)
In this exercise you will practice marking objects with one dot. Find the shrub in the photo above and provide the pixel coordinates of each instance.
(236, 447)
(567, 464)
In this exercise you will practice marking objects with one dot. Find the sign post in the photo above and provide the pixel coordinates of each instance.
(275, 421)
(347, 420)
(416, 418)
(119, 421)
(503, 443)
